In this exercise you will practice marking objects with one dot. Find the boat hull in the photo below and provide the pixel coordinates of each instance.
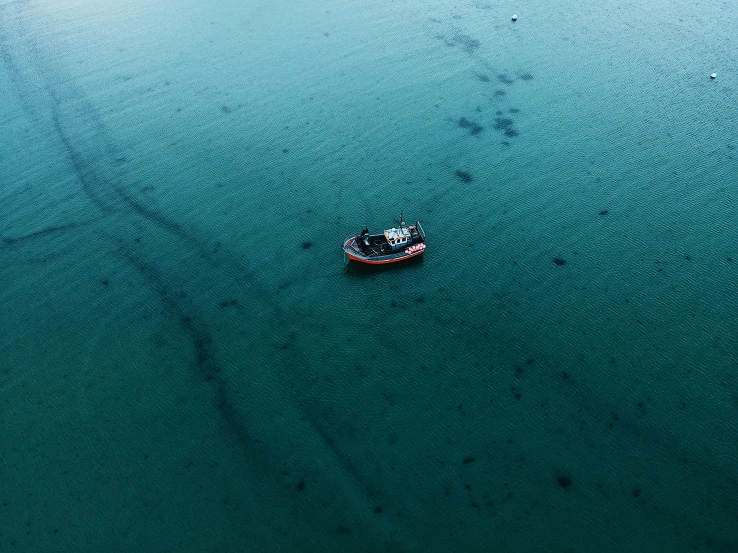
(382, 260)
(354, 255)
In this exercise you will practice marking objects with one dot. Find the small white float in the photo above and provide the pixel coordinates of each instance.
(515, 17)
(713, 75)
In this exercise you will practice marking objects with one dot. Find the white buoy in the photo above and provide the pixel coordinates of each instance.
(515, 17)
(713, 75)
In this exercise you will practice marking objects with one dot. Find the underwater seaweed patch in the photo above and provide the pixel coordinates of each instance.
(463, 175)
(472, 126)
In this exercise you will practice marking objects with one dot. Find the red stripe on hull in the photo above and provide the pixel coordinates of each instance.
(368, 262)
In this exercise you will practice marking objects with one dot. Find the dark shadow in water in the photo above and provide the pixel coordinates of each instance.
(354, 269)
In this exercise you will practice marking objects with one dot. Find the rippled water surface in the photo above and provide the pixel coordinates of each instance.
(187, 365)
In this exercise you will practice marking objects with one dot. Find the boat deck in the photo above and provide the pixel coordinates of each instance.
(378, 245)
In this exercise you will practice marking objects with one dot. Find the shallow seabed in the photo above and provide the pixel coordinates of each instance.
(187, 365)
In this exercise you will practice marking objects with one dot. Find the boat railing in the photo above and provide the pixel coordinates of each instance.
(352, 247)
(420, 229)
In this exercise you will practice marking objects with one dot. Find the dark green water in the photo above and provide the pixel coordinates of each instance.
(187, 365)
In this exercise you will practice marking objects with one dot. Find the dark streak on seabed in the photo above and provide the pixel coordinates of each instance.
(92, 154)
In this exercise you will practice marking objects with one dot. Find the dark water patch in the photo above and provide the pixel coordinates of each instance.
(463, 175)
(504, 79)
(526, 77)
(467, 43)
(472, 126)
(228, 303)
(344, 462)
(505, 124)
(636, 493)
(468, 460)
(604, 212)
(687, 257)
(559, 261)
(564, 481)
(285, 150)
(201, 340)
(11, 240)
(92, 185)
(420, 299)
(513, 110)
(154, 216)
(307, 245)
(482, 78)
(340, 530)
(502, 123)
(378, 510)
(225, 109)
(105, 282)
(300, 486)
(500, 93)
(231, 416)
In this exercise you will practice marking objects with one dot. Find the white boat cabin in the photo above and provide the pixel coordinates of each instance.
(397, 237)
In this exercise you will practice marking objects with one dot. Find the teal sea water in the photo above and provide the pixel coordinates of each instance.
(187, 365)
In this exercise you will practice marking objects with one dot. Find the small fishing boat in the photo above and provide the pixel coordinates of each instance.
(393, 245)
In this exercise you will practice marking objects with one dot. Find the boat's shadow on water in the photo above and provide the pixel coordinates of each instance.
(358, 270)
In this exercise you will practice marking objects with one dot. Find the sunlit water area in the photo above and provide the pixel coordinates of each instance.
(187, 363)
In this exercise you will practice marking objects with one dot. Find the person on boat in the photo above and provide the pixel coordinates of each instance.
(363, 241)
